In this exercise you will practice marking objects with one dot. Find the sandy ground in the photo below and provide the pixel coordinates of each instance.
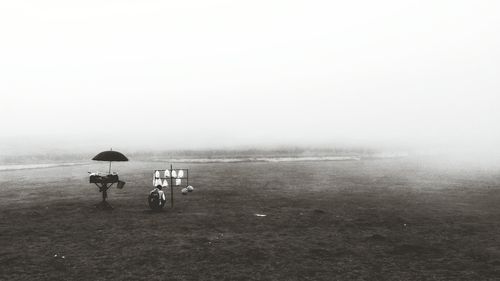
(354, 220)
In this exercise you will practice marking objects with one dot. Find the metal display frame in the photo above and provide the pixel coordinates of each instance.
(104, 183)
(171, 180)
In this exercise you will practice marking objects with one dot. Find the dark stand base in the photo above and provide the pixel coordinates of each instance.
(104, 205)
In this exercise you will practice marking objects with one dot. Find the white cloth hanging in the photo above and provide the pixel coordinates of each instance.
(157, 182)
(156, 175)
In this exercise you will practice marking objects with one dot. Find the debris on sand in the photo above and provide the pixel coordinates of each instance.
(260, 215)
(377, 237)
(417, 249)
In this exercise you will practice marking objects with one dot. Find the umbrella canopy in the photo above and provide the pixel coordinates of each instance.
(110, 155)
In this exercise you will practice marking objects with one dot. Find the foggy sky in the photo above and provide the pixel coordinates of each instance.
(200, 74)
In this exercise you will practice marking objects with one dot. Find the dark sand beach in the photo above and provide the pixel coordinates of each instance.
(389, 219)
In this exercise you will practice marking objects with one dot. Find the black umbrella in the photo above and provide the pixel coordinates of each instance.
(110, 156)
(104, 183)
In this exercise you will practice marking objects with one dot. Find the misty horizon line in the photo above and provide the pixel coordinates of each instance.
(449, 157)
(26, 150)
(233, 152)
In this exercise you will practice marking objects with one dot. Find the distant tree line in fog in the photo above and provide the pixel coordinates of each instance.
(253, 152)
(49, 157)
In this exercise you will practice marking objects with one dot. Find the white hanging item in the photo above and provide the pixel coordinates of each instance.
(157, 182)
(156, 175)
(165, 183)
(174, 174)
(178, 181)
(180, 174)
(167, 174)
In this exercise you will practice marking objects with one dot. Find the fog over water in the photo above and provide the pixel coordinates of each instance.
(158, 75)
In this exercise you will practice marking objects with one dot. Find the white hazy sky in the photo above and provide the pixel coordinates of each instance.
(196, 74)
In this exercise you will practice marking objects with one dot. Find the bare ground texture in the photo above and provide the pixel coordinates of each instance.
(394, 219)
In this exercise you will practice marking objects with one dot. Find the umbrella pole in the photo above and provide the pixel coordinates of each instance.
(109, 171)
(104, 193)
(104, 204)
